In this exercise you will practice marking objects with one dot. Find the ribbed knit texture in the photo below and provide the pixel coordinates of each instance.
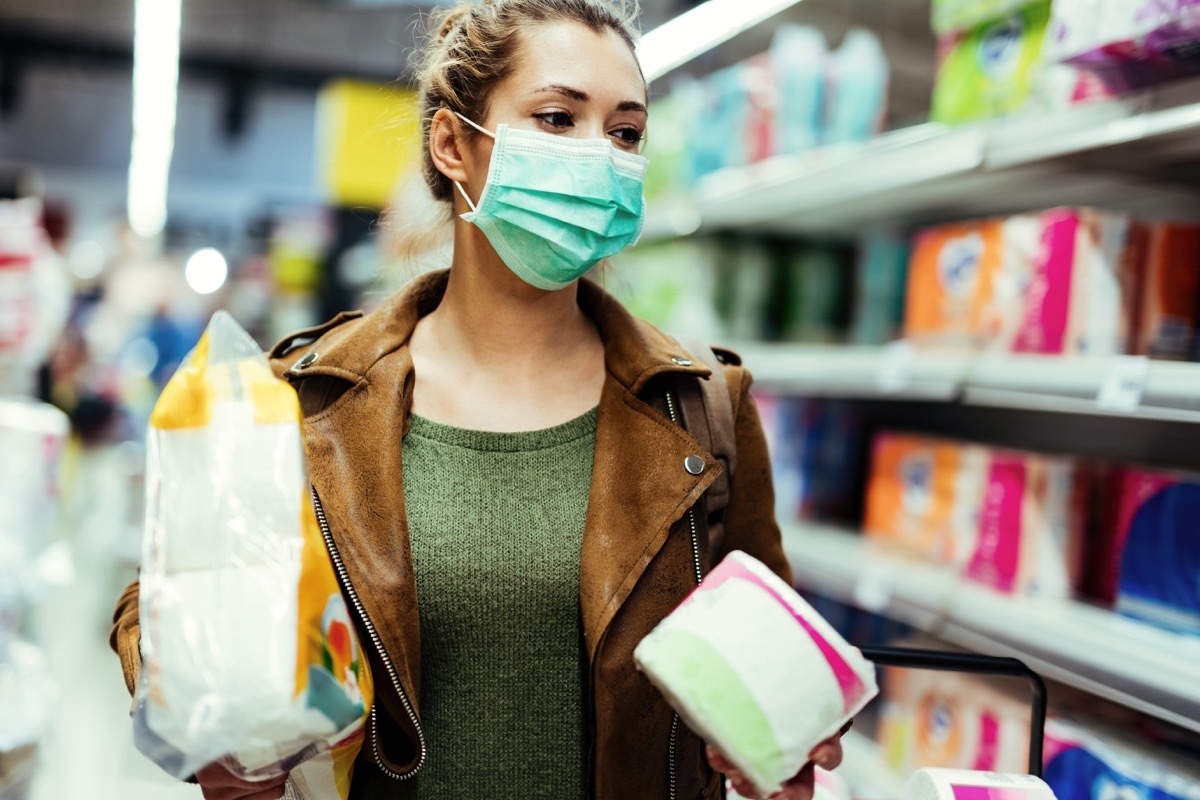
(496, 522)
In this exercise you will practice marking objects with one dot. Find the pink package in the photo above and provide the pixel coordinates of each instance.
(1067, 284)
(1030, 526)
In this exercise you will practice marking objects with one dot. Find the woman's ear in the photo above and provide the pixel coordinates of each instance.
(446, 146)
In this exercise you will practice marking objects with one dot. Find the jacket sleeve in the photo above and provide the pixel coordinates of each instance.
(125, 636)
(750, 524)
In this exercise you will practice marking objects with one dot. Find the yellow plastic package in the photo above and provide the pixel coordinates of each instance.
(249, 653)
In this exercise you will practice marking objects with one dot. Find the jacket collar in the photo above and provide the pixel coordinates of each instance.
(634, 351)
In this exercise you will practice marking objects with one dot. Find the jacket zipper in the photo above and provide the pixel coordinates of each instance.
(672, 777)
(344, 579)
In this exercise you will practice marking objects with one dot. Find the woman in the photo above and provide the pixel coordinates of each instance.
(542, 513)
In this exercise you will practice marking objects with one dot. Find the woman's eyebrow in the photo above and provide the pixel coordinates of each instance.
(580, 96)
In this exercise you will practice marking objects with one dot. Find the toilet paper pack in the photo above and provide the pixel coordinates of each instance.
(956, 784)
(1154, 513)
(1167, 318)
(1008, 520)
(249, 652)
(1084, 762)
(755, 671)
(952, 278)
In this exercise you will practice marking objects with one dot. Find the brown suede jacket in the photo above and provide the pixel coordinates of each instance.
(355, 383)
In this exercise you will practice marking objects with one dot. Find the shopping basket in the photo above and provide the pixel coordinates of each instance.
(913, 658)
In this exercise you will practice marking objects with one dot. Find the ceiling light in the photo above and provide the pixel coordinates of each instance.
(709, 24)
(155, 89)
(206, 271)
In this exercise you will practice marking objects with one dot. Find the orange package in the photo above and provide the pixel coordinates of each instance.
(951, 279)
(1168, 304)
(915, 495)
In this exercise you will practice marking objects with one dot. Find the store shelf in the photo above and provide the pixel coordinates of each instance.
(894, 371)
(1135, 665)
(1121, 154)
(1124, 386)
(1134, 387)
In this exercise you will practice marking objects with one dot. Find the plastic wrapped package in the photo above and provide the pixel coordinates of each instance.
(35, 294)
(727, 660)
(1091, 763)
(249, 652)
(1128, 43)
(28, 695)
(32, 436)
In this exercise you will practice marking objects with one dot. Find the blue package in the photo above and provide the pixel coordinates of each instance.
(1160, 565)
(1084, 765)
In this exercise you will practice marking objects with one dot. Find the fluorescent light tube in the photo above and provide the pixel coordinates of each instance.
(704, 27)
(156, 26)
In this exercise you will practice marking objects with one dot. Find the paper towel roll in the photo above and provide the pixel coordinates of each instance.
(961, 784)
(755, 671)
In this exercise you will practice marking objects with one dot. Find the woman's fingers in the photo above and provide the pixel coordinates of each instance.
(721, 764)
(218, 783)
(827, 755)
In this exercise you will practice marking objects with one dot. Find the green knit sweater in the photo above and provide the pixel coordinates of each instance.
(496, 522)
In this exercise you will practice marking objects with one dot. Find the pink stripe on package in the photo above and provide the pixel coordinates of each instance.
(992, 793)
(852, 686)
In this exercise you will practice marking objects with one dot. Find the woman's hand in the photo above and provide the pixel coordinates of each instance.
(218, 783)
(827, 755)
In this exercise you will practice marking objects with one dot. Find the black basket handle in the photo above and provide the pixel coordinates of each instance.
(981, 665)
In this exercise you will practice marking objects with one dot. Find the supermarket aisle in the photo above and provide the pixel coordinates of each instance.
(89, 754)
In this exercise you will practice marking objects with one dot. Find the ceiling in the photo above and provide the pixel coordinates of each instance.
(305, 41)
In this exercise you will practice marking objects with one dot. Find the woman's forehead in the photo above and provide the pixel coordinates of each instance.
(558, 56)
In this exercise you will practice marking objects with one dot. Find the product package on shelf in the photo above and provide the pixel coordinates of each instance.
(960, 15)
(990, 70)
(1128, 43)
(879, 279)
(798, 56)
(1086, 763)
(1011, 521)
(995, 64)
(249, 651)
(858, 88)
(936, 719)
(1169, 292)
(816, 457)
(746, 272)
(952, 277)
(1147, 558)
(671, 284)
(35, 295)
(816, 293)
(727, 659)
(32, 438)
(1058, 282)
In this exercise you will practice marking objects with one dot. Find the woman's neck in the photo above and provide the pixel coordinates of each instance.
(491, 316)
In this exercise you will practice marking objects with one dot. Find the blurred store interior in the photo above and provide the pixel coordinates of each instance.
(956, 241)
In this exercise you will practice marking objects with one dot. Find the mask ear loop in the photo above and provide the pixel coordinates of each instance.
(485, 132)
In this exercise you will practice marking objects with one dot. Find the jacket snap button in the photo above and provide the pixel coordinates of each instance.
(694, 464)
(681, 361)
(305, 362)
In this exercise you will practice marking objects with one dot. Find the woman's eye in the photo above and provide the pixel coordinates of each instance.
(556, 119)
(629, 136)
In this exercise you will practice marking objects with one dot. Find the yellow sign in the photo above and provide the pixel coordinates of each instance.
(368, 135)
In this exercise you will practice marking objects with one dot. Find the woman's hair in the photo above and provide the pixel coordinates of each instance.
(474, 47)
(469, 48)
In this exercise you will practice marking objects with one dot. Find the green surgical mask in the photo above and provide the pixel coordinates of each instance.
(553, 207)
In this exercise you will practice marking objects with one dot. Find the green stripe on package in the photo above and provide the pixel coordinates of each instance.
(755, 671)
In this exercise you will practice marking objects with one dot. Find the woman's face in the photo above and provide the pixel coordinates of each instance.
(569, 81)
